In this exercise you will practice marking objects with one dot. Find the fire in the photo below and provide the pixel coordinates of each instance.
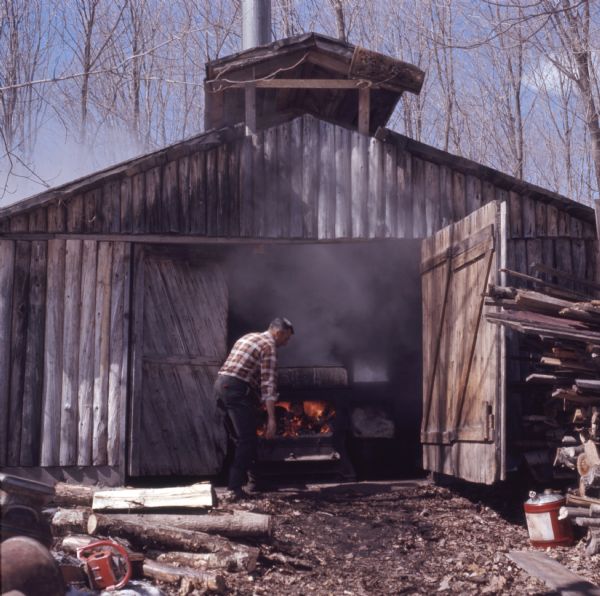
(301, 418)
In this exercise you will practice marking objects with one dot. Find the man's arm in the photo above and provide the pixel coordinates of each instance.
(271, 423)
(268, 386)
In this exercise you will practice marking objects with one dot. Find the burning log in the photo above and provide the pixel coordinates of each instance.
(197, 495)
(235, 561)
(239, 524)
(65, 521)
(73, 495)
(144, 533)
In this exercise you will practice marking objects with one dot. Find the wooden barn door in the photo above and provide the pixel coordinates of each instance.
(180, 326)
(463, 354)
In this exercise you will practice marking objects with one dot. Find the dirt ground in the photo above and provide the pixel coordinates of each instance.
(397, 538)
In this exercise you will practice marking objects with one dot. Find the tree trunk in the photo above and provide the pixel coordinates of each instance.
(162, 536)
(240, 524)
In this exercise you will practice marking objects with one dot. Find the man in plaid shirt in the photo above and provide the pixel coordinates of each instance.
(250, 370)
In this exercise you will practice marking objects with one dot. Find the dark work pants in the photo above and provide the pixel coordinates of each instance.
(235, 397)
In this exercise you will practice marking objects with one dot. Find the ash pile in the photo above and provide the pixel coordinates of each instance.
(553, 393)
(78, 539)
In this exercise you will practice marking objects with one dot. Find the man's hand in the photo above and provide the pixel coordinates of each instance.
(271, 424)
(271, 428)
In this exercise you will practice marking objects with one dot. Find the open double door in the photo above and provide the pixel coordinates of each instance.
(463, 424)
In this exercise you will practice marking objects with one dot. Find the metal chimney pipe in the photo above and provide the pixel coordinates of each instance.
(256, 23)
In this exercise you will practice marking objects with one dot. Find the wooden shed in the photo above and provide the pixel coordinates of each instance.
(112, 327)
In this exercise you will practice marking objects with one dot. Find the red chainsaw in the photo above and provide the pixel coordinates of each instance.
(106, 563)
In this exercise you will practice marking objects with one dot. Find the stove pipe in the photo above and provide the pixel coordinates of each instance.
(256, 23)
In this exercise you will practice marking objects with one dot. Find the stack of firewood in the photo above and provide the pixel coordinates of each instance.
(196, 549)
(561, 367)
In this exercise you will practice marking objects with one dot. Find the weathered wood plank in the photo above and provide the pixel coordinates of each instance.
(432, 198)
(541, 219)
(138, 204)
(20, 310)
(514, 215)
(296, 168)
(282, 180)
(459, 197)
(327, 191)
(473, 193)
(137, 348)
(85, 392)
(198, 193)
(310, 175)
(101, 354)
(34, 365)
(564, 224)
(552, 221)
(259, 184)
(528, 213)
(57, 216)
(183, 183)
(270, 199)
(246, 205)
(233, 183)
(445, 197)
(53, 354)
(7, 268)
(71, 319)
(19, 223)
(220, 218)
(170, 198)
(110, 207)
(93, 217)
(404, 195)
(376, 198)
(419, 208)
(551, 572)
(74, 208)
(38, 220)
(154, 221)
(390, 183)
(126, 205)
(117, 372)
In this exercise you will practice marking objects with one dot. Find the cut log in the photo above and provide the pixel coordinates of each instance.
(593, 542)
(541, 379)
(581, 500)
(73, 495)
(587, 522)
(193, 578)
(239, 524)
(130, 499)
(161, 536)
(66, 521)
(588, 384)
(572, 512)
(234, 561)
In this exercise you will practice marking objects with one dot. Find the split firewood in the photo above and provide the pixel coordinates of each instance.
(189, 578)
(130, 499)
(73, 495)
(239, 524)
(572, 512)
(579, 500)
(542, 379)
(66, 521)
(148, 534)
(238, 560)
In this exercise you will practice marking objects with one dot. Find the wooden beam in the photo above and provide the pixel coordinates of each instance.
(554, 574)
(250, 109)
(309, 84)
(364, 110)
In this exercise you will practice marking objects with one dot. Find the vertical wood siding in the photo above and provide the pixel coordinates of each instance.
(64, 340)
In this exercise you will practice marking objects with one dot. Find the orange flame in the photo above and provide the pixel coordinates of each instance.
(301, 418)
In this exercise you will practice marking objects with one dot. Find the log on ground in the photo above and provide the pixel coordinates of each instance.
(73, 495)
(237, 560)
(239, 524)
(192, 578)
(161, 536)
(130, 499)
